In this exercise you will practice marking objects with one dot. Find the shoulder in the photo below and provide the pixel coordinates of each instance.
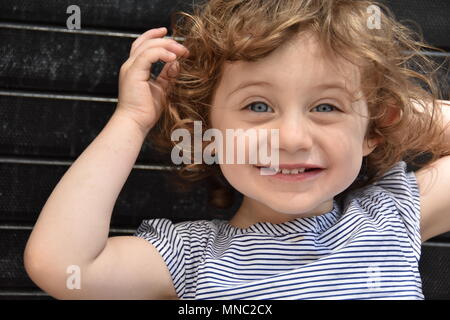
(184, 231)
(397, 185)
(398, 189)
(392, 202)
(182, 245)
(420, 197)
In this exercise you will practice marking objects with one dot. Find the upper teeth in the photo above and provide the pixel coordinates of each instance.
(288, 171)
(292, 171)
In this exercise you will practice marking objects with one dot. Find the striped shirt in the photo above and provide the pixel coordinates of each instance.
(369, 249)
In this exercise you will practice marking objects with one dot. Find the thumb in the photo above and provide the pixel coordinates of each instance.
(170, 70)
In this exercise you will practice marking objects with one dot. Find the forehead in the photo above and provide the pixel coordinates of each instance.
(298, 64)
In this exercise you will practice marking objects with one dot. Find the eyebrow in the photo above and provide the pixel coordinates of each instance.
(321, 86)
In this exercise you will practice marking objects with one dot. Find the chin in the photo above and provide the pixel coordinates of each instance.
(288, 206)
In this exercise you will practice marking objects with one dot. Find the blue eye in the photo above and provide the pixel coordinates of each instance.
(258, 107)
(326, 104)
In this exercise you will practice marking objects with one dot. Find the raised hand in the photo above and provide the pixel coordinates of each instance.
(139, 96)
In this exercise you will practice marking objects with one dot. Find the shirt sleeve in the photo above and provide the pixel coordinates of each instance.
(404, 190)
(165, 236)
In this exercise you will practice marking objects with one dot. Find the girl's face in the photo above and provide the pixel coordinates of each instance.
(304, 96)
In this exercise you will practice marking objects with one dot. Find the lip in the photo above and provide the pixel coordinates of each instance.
(305, 176)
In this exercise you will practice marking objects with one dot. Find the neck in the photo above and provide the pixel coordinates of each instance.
(252, 211)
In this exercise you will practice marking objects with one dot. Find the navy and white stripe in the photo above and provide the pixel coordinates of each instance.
(369, 249)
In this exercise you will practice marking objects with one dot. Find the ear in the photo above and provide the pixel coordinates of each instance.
(370, 145)
(392, 115)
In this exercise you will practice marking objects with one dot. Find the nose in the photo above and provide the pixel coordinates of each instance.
(295, 133)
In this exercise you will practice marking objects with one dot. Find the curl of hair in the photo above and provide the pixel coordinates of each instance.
(399, 81)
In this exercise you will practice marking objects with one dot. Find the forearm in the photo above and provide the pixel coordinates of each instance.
(445, 107)
(73, 225)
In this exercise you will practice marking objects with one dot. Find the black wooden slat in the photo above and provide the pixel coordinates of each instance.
(146, 194)
(12, 271)
(74, 63)
(112, 14)
(27, 294)
(57, 128)
(14, 281)
(430, 15)
(435, 272)
(433, 265)
(61, 61)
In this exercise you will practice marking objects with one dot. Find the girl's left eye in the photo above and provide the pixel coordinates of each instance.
(258, 106)
(326, 104)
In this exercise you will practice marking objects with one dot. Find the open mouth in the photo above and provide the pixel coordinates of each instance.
(290, 175)
(291, 171)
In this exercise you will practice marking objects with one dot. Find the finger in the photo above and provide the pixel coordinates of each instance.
(140, 69)
(150, 34)
(168, 44)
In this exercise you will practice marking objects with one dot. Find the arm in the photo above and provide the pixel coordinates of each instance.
(434, 182)
(445, 105)
(73, 226)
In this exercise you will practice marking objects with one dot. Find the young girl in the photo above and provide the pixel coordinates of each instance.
(346, 101)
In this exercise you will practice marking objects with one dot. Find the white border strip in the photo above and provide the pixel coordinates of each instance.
(436, 244)
(69, 163)
(96, 32)
(432, 53)
(17, 227)
(56, 96)
(26, 294)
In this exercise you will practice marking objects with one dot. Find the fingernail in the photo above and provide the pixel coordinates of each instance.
(180, 46)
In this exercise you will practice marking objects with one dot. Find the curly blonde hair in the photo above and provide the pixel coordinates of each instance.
(400, 82)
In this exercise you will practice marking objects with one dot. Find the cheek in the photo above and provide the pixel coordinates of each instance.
(346, 155)
(345, 143)
(350, 135)
(221, 117)
(241, 147)
(239, 176)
